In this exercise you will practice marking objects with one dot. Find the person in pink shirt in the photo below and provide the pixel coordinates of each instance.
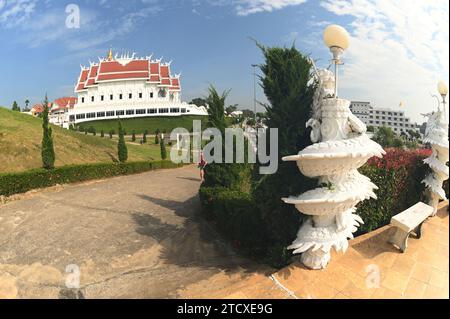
(202, 165)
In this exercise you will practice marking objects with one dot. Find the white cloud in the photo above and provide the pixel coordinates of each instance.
(247, 7)
(15, 12)
(398, 51)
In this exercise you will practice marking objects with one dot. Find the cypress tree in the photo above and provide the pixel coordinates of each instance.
(133, 136)
(121, 146)
(163, 150)
(102, 133)
(15, 107)
(110, 134)
(144, 137)
(47, 152)
(157, 137)
(288, 86)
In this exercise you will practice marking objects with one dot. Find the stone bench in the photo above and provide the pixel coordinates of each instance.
(407, 222)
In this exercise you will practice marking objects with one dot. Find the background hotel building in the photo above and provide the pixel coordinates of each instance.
(125, 87)
(376, 117)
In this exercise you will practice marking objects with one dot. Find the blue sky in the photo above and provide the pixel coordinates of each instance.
(398, 51)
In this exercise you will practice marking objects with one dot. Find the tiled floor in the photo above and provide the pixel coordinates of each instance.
(373, 268)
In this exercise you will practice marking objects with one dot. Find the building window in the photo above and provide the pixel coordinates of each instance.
(151, 111)
(82, 100)
(120, 96)
(81, 116)
(140, 111)
(90, 115)
(174, 110)
(130, 112)
(102, 98)
(151, 95)
(111, 97)
(110, 113)
(121, 112)
(140, 95)
(163, 110)
(183, 110)
(92, 99)
(100, 114)
(130, 95)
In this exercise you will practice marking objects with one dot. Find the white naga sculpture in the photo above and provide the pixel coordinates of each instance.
(436, 134)
(341, 147)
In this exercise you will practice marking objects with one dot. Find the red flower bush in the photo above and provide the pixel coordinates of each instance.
(399, 176)
(397, 158)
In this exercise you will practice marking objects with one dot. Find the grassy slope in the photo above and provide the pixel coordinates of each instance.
(20, 145)
(146, 123)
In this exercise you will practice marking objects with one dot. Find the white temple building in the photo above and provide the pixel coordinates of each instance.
(128, 87)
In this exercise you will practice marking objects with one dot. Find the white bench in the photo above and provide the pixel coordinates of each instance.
(407, 222)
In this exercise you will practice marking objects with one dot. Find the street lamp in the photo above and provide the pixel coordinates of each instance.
(254, 91)
(443, 91)
(337, 39)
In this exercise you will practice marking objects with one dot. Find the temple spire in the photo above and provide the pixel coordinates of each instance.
(110, 55)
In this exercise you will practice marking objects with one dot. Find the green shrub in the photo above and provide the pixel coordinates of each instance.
(398, 176)
(133, 136)
(14, 183)
(122, 150)
(163, 149)
(235, 216)
(47, 150)
(289, 89)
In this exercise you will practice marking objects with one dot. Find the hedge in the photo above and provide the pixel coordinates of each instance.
(14, 183)
(236, 216)
(399, 176)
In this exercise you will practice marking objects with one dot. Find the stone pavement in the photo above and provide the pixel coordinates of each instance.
(141, 236)
(137, 236)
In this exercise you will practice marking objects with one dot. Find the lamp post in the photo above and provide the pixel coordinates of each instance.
(254, 92)
(337, 39)
(443, 91)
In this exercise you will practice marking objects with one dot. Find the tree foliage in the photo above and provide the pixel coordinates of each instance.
(163, 149)
(286, 80)
(15, 107)
(122, 150)
(47, 151)
(216, 109)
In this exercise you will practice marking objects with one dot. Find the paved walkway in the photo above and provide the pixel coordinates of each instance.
(137, 236)
(141, 236)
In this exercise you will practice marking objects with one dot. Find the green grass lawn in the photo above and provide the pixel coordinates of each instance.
(139, 125)
(20, 145)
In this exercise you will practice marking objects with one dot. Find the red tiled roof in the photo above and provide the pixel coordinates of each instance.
(114, 66)
(122, 76)
(165, 71)
(165, 81)
(64, 102)
(92, 75)
(39, 108)
(83, 78)
(106, 70)
(154, 67)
